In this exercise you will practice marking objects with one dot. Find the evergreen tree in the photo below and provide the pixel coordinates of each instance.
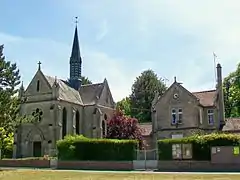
(143, 92)
(9, 103)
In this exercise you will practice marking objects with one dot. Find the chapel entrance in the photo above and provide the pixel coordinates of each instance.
(37, 149)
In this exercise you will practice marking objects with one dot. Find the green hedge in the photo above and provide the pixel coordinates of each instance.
(85, 149)
(201, 145)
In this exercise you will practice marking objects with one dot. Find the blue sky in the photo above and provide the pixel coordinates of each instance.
(121, 38)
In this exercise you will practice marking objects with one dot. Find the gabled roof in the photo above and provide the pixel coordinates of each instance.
(91, 93)
(66, 93)
(206, 98)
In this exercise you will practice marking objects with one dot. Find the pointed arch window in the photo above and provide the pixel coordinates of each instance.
(77, 122)
(64, 123)
(38, 85)
(103, 129)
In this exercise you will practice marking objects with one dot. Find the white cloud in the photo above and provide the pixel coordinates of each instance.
(103, 30)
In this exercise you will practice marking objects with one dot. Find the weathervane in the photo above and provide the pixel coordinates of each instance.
(76, 21)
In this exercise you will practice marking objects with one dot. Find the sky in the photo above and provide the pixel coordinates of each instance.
(119, 39)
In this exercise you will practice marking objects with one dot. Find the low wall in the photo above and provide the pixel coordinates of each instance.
(25, 163)
(204, 166)
(96, 165)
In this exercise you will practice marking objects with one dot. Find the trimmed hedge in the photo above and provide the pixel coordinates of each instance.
(85, 149)
(201, 145)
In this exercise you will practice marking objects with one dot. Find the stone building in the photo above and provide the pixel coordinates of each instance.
(178, 112)
(61, 108)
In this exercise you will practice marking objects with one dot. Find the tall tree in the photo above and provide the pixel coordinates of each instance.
(143, 91)
(125, 106)
(85, 80)
(9, 80)
(231, 87)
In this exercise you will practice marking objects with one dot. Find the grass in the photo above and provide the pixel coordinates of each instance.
(74, 175)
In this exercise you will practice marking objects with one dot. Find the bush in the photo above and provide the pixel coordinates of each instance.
(85, 149)
(201, 145)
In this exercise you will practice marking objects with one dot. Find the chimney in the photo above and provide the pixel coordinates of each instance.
(220, 100)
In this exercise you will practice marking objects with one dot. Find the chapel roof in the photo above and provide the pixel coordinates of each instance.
(87, 95)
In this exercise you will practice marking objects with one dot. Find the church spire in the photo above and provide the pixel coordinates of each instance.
(75, 61)
(75, 47)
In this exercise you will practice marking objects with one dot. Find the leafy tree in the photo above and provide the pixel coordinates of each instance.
(143, 91)
(6, 143)
(124, 127)
(125, 106)
(9, 80)
(231, 87)
(85, 80)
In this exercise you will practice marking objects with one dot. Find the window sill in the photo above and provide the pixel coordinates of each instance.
(176, 124)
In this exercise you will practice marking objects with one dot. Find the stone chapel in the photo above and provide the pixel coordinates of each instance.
(61, 108)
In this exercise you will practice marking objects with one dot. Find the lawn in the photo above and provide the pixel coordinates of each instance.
(74, 175)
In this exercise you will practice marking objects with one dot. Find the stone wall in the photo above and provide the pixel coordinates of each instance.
(195, 166)
(25, 163)
(96, 165)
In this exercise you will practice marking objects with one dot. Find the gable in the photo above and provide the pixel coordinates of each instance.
(38, 85)
(106, 96)
(176, 94)
(90, 93)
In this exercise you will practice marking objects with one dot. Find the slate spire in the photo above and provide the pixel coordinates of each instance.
(75, 62)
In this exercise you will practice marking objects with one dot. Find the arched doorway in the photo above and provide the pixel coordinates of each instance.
(77, 122)
(64, 122)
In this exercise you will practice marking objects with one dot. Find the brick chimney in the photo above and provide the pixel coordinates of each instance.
(220, 101)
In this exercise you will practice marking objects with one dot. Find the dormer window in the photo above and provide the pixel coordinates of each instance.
(38, 85)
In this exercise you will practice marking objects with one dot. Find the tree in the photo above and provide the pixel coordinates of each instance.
(9, 80)
(231, 88)
(125, 106)
(123, 127)
(85, 80)
(143, 91)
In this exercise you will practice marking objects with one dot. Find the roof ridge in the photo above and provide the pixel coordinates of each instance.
(92, 84)
(204, 91)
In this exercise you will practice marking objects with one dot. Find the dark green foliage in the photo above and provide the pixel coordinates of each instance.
(9, 80)
(84, 149)
(85, 80)
(143, 92)
(201, 145)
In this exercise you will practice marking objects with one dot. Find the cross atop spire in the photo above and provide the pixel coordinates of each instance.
(39, 65)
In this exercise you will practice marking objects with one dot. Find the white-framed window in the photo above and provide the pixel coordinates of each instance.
(180, 116)
(177, 116)
(210, 113)
(174, 116)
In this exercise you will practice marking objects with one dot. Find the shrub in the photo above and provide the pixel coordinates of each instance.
(201, 145)
(85, 149)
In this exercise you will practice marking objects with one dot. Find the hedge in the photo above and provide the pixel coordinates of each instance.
(84, 149)
(201, 145)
